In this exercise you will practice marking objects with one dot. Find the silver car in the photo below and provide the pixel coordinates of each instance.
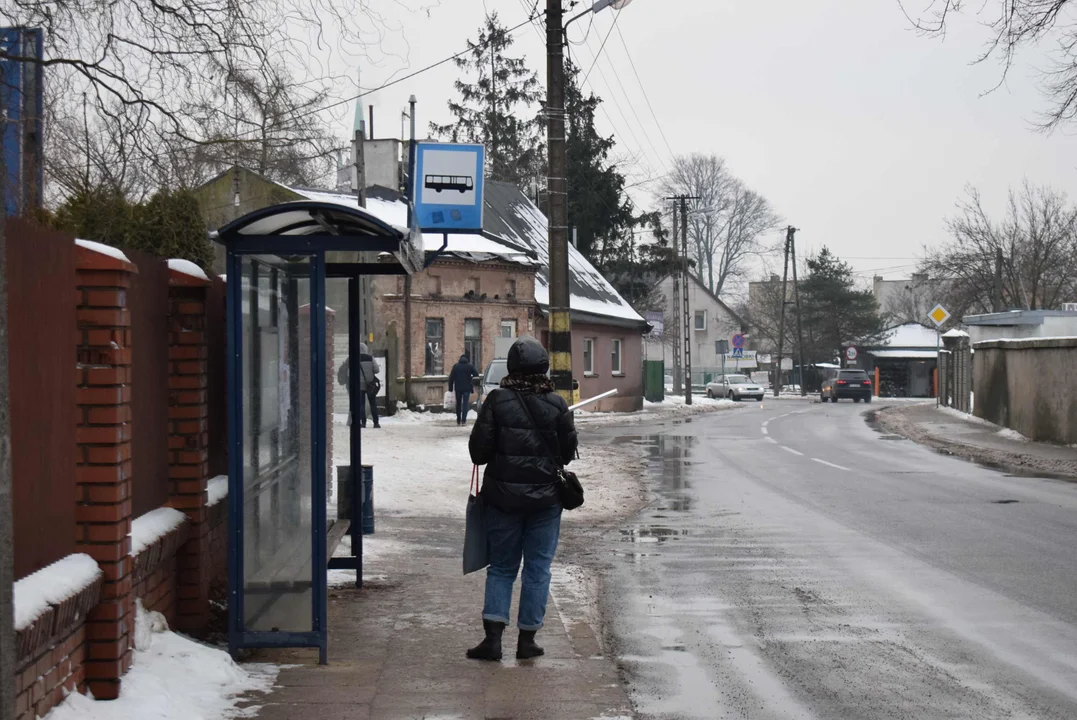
(734, 387)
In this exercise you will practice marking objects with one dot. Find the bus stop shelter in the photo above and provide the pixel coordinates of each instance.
(280, 539)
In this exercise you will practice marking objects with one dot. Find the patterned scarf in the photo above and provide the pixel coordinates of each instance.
(537, 384)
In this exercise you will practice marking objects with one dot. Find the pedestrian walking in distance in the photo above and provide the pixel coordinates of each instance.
(460, 382)
(368, 384)
(520, 493)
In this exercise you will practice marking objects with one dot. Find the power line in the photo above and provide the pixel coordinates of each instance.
(632, 63)
(603, 46)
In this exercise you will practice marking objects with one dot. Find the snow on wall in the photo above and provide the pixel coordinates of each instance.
(52, 585)
(217, 490)
(187, 268)
(154, 525)
(911, 335)
(103, 249)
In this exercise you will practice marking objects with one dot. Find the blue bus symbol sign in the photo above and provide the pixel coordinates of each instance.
(448, 192)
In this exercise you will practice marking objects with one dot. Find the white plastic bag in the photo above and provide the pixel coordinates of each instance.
(449, 401)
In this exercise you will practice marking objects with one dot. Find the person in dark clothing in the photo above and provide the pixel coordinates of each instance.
(520, 492)
(460, 381)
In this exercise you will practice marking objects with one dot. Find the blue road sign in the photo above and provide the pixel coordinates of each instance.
(21, 105)
(738, 341)
(448, 192)
(738, 352)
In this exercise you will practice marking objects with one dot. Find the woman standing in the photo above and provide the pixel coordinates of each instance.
(524, 434)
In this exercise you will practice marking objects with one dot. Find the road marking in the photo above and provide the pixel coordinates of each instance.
(791, 450)
(770, 440)
(764, 429)
(830, 464)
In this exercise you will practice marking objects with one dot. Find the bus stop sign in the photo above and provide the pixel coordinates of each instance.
(448, 189)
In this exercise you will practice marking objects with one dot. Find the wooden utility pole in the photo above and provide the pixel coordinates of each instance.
(781, 326)
(676, 310)
(560, 322)
(682, 303)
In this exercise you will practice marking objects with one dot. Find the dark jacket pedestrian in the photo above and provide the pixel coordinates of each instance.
(368, 370)
(520, 493)
(460, 382)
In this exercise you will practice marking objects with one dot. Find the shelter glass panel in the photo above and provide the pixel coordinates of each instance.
(277, 494)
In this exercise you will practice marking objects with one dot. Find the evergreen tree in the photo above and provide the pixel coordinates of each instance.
(835, 311)
(605, 218)
(498, 109)
(168, 225)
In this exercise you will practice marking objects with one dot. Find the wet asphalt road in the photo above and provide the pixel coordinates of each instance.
(800, 564)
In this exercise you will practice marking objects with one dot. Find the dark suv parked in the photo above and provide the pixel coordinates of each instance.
(854, 384)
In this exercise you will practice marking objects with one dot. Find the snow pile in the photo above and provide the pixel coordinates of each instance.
(955, 333)
(952, 412)
(154, 525)
(1009, 434)
(52, 585)
(103, 249)
(187, 268)
(217, 488)
(173, 678)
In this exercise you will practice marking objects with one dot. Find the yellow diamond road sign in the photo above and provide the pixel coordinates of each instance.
(939, 315)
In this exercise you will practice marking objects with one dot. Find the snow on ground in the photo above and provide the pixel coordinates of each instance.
(422, 468)
(51, 585)
(154, 525)
(952, 412)
(173, 678)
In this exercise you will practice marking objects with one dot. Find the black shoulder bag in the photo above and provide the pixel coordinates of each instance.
(569, 487)
(373, 386)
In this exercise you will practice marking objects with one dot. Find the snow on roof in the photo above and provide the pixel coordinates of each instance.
(52, 585)
(512, 216)
(955, 333)
(217, 489)
(154, 525)
(911, 335)
(187, 268)
(394, 212)
(103, 249)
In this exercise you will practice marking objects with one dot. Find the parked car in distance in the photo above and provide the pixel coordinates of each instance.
(854, 385)
(492, 377)
(734, 387)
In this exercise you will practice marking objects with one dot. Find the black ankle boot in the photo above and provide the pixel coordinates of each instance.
(490, 648)
(526, 647)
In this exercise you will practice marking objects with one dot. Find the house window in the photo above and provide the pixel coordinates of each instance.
(701, 319)
(510, 288)
(588, 356)
(435, 346)
(434, 285)
(473, 340)
(473, 285)
(616, 357)
(508, 328)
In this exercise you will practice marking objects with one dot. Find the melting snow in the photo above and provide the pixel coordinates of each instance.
(154, 525)
(173, 678)
(218, 489)
(187, 268)
(52, 585)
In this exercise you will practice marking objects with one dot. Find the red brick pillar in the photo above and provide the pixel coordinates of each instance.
(188, 442)
(103, 475)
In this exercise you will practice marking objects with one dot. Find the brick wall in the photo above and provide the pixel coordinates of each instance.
(47, 678)
(217, 522)
(103, 474)
(156, 575)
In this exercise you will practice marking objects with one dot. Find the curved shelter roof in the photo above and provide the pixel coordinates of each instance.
(310, 225)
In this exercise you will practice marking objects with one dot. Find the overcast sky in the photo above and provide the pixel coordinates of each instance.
(862, 133)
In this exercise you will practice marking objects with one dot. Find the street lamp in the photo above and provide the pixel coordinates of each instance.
(598, 6)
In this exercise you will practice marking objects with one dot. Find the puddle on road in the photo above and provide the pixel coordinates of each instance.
(652, 534)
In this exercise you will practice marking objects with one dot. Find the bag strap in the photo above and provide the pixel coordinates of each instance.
(474, 488)
(556, 457)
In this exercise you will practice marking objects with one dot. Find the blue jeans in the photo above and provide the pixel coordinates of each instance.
(463, 399)
(511, 537)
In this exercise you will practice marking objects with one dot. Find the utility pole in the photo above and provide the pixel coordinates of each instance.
(682, 302)
(676, 310)
(7, 546)
(407, 277)
(560, 320)
(781, 325)
(998, 280)
(790, 237)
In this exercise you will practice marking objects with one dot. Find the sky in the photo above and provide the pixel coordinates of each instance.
(861, 132)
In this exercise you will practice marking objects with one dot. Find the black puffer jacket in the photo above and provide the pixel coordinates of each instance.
(521, 475)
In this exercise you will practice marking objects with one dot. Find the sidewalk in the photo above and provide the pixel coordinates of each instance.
(974, 439)
(396, 648)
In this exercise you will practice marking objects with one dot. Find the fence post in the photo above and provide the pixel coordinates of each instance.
(103, 474)
(188, 442)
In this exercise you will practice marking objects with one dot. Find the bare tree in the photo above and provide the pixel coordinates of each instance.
(726, 222)
(1015, 25)
(1037, 238)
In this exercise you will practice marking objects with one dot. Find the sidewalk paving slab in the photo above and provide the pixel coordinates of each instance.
(396, 648)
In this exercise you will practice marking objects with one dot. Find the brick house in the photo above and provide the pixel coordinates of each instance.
(479, 288)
